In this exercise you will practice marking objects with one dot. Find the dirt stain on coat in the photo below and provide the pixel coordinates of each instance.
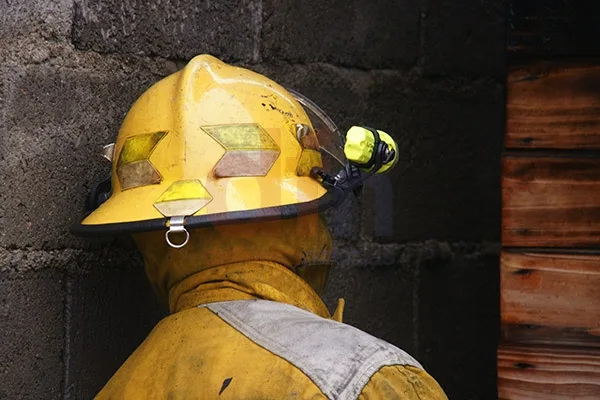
(226, 383)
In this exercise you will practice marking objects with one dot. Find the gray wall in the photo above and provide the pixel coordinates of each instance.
(417, 254)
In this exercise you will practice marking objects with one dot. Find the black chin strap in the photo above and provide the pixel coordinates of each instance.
(99, 194)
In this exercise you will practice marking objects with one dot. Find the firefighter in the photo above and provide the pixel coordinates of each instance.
(220, 175)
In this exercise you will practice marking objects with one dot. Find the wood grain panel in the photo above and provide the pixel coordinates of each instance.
(554, 105)
(553, 27)
(548, 373)
(555, 297)
(551, 202)
(526, 334)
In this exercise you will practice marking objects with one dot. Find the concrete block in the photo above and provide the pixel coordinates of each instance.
(446, 183)
(356, 33)
(459, 323)
(55, 122)
(344, 221)
(464, 37)
(112, 311)
(176, 29)
(379, 299)
(48, 18)
(32, 336)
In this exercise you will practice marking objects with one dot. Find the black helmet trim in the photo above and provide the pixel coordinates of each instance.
(331, 198)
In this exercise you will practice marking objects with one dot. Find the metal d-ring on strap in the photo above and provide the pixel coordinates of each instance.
(176, 226)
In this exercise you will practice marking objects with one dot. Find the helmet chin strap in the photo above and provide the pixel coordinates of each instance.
(99, 194)
(349, 179)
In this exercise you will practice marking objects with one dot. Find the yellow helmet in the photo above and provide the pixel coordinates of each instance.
(214, 143)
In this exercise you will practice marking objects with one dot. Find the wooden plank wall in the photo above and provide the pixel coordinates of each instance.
(550, 264)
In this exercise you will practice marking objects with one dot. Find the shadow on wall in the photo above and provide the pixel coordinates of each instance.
(111, 312)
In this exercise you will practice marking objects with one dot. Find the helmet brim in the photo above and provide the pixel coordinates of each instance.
(330, 199)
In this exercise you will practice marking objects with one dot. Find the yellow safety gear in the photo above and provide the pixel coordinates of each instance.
(195, 353)
(361, 146)
(215, 143)
(303, 245)
(248, 165)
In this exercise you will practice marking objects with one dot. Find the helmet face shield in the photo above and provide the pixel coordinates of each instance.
(331, 141)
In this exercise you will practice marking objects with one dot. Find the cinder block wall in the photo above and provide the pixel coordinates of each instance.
(417, 254)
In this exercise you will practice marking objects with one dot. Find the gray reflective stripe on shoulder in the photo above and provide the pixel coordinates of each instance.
(338, 358)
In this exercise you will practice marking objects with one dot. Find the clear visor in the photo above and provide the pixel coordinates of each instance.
(331, 141)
